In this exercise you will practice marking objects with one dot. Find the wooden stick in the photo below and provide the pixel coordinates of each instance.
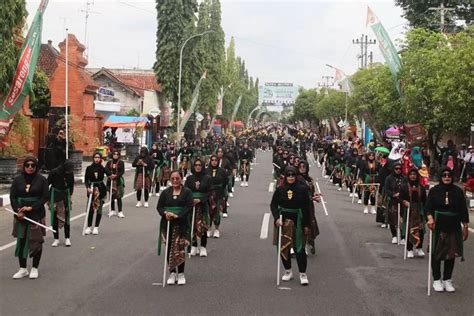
(89, 202)
(279, 250)
(31, 221)
(165, 265)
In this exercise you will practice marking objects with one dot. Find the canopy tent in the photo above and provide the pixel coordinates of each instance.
(122, 121)
(238, 123)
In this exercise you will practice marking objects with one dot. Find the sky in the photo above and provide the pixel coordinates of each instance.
(280, 40)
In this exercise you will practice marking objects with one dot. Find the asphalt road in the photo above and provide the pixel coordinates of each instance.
(356, 269)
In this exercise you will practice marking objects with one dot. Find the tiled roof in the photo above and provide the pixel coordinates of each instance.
(47, 59)
(139, 81)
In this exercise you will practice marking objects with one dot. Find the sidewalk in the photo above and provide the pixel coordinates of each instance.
(5, 188)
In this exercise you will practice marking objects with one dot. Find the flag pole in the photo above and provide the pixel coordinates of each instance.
(67, 95)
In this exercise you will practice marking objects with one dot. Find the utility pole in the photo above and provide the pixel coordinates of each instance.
(371, 58)
(442, 12)
(364, 43)
(327, 78)
(87, 11)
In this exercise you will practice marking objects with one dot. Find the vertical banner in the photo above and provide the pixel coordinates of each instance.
(24, 74)
(192, 107)
(343, 81)
(220, 101)
(386, 46)
(236, 109)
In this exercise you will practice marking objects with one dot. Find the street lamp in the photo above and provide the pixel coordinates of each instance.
(180, 73)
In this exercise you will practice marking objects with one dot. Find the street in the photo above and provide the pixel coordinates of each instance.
(356, 269)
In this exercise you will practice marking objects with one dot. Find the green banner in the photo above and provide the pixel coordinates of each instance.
(386, 46)
(236, 109)
(192, 107)
(24, 74)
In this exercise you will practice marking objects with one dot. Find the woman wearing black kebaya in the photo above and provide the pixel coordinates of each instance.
(291, 200)
(175, 205)
(28, 193)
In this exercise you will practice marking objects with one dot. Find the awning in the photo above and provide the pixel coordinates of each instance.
(122, 121)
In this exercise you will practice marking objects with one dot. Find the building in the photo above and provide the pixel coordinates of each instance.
(133, 89)
(85, 123)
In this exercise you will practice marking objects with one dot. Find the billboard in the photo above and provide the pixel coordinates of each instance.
(277, 94)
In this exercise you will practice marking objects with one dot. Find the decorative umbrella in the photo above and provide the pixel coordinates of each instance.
(392, 131)
(382, 150)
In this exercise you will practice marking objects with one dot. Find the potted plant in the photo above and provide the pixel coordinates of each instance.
(19, 144)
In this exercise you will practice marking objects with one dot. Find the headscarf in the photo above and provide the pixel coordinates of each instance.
(144, 151)
(446, 169)
(417, 181)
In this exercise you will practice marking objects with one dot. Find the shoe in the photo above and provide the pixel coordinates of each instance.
(292, 252)
(242, 184)
(110, 214)
(181, 279)
(366, 210)
(225, 215)
(23, 272)
(339, 189)
(171, 279)
(146, 204)
(157, 194)
(194, 251)
(394, 240)
(419, 252)
(246, 184)
(359, 201)
(373, 210)
(34, 273)
(448, 285)
(312, 250)
(410, 254)
(95, 231)
(162, 188)
(139, 204)
(88, 231)
(438, 286)
(304, 279)
(55, 243)
(68, 242)
(326, 176)
(383, 226)
(120, 214)
(231, 194)
(402, 242)
(202, 252)
(351, 195)
(227, 204)
(209, 234)
(216, 234)
(287, 276)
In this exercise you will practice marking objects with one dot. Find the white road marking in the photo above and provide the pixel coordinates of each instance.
(264, 230)
(471, 229)
(13, 243)
(284, 288)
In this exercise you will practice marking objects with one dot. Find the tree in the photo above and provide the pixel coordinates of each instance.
(13, 15)
(437, 81)
(176, 22)
(375, 99)
(305, 105)
(40, 98)
(419, 15)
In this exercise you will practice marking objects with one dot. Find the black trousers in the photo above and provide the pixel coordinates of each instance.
(67, 227)
(36, 256)
(97, 218)
(448, 269)
(139, 195)
(366, 198)
(203, 241)
(301, 259)
(119, 204)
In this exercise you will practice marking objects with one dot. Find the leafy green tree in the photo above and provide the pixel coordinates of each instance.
(176, 22)
(419, 15)
(40, 98)
(375, 99)
(437, 81)
(12, 14)
(305, 105)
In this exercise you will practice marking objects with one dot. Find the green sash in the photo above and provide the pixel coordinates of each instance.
(52, 204)
(173, 209)
(23, 229)
(199, 195)
(458, 232)
(299, 223)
